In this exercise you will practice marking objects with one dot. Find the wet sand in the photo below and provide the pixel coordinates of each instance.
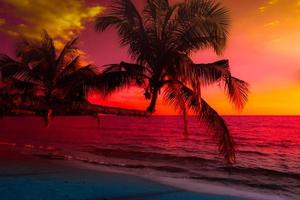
(28, 177)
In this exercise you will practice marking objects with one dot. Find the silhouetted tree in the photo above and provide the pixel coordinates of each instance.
(51, 84)
(160, 41)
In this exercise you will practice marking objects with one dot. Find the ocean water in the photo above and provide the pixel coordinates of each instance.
(268, 148)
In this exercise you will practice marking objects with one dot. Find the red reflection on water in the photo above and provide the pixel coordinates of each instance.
(8, 143)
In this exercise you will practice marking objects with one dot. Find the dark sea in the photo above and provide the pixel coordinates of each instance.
(268, 148)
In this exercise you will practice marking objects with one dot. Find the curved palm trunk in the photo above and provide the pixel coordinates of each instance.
(151, 107)
(113, 110)
(85, 108)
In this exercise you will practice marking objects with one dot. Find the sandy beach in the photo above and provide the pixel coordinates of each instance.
(27, 177)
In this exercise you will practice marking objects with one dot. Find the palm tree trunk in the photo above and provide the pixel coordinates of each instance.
(113, 110)
(151, 107)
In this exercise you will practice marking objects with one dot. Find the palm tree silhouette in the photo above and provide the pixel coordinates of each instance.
(160, 41)
(49, 84)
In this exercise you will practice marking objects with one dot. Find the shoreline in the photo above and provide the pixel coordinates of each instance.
(199, 187)
(16, 167)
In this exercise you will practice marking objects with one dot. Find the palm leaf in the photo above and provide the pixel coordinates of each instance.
(209, 73)
(217, 125)
(47, 46)
(173, 96)
(69, 50)
(69, 68)
(237, 91)
(28, 51)
(104, 22)
(154, 14)
(9, 67)
(201, 24)
(124, 16)
(81, 79)
(119, 76)
(211, 119)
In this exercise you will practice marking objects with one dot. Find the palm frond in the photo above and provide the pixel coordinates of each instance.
(211, 119)
(80, 78)
(168, 24)
(28, 51)
(9, 67)
(104, 22)
(119, 76)
(237, 91)
(124, 16)
(173, 96)
(201, 24)
(160, 4)
(209, 73)
(47, 45)
(155, 13)
(217, 125)
(27, 76)
(69, 50)
(69, 68)
(134, 69)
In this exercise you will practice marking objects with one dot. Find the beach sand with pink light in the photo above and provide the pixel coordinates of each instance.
(28, 177)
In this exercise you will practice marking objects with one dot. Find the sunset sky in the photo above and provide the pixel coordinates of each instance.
(263, 48)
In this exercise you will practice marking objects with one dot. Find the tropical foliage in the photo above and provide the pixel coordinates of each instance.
(46, 83)
(160, 40)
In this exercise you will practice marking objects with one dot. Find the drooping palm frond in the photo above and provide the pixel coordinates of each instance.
(237, 91)
(217, 125)
(207, 74)
(173, 96)
(210, 73)
(182, 68)
(176, 93)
